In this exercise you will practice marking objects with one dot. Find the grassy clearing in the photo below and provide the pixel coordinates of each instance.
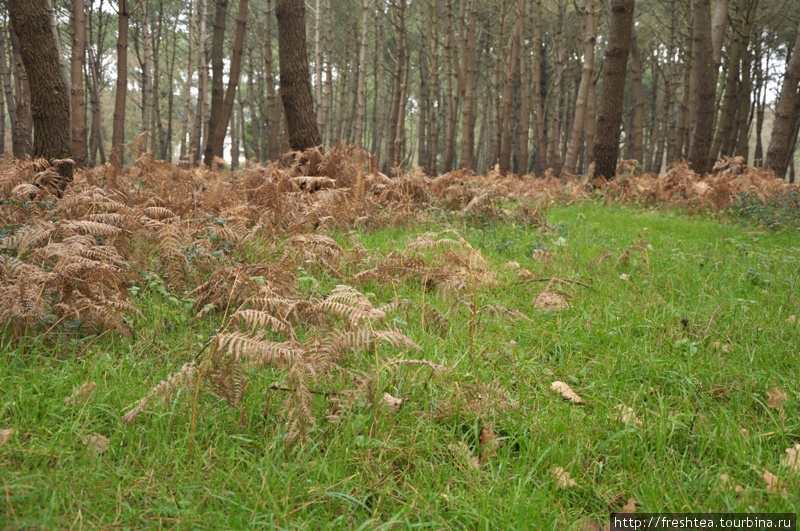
(692, 341)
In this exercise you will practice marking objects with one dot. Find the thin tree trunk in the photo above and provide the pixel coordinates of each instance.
(274, 106)
(780, 147)
(201, 115)
(587, 73)
(452, 99)
(554, 160)
(704, 129)
(97, 138)
(79, 149)
(217, 86)
(17, 148)
(362, 72)
(298, 102)
(220, 127)
(468, 58)
(538, 107)
(508, 93)
(609, 117)
(65, 70)
(118, 134)
(187, 86)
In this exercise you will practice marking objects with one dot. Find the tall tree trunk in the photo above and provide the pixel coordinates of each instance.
(554, 160)
(9, 97)
(49, 98)
(79, 150)
(587, 73)
(96, 139)
(217, 86)
(638, 101)
(780, 148)
(201, 114)
(609, 116)
(220, 127)
(118, 133)
(362, 72)
(508, 93)
(187, 87)
(22, 142)
(538, 106)
(274, 105)
(65, 70)
(718, 25)
(706, 90)
(298, 102)
(468, 58)
(451, 63)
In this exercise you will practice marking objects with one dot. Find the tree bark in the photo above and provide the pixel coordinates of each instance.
(295, 76)
(22, 132)
(9, 98)
(79, 148)
(187, 87)
(217, 86)
(362, 71)
(118, 133)
(609, 116)
(468, 58)
(49, 99)
(220, 127)
(780, 148)
(706, 89)
(587, 73)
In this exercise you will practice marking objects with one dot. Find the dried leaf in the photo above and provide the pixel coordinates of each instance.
(524, 274)
(392, 402)
(727, 348)
(97, 443)
(630, 506)
(5, 435)
(792, 458)
(774, 485)
(563, 478)
(624, 277)
(82, 394)
(550, 300)
(511, 265)
(776, 397)
(625, 414)
(542, 256)
(489, 443)
(566, 392)
(791, 319)
(462, 451)
(744, 431)
(587, 524)
(727, 483)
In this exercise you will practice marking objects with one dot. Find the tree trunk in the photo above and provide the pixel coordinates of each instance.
(64, 69)
(118, 134)
(780, 148)
(274, 106)
(452, 91)
(217, 86)
(638, 101)
(706, 90)
(587, 73)
(609, 116)
(22, 132)
(220, 127)
(468, 59)
(201, 114)
(79, 150)
(97, 137)
(49, 99)
(187, 87)
(508, 93)
(554, 160)
(538, 107)
(362, 71)
(295, 77)
(9, 98)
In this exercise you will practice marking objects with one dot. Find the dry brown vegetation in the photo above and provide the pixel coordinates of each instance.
(68, 259)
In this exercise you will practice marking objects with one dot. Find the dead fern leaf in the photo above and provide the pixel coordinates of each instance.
(563, 478)
(5, 435)
(165, 389)
(792, 458)
(97, 443)
(81, 395)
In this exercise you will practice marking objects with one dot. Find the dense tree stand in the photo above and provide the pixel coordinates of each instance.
(295, 78)
(49, 97)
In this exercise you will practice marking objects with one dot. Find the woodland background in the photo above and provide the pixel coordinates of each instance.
(441, 84)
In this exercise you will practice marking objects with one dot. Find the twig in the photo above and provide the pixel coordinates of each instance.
(313, 392)
(558, 280)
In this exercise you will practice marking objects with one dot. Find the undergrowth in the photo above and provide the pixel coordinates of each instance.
(314, 345)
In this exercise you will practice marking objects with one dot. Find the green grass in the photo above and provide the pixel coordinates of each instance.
(654, 343)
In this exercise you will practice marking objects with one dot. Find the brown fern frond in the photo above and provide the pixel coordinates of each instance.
(340, 343)
(225, 378)
(352, 314)
(165, 389)
(255, 319)
(258, 352)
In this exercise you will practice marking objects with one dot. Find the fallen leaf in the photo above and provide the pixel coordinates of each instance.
(792, 458)
(97, 443)
(82, 394)
(566, 392)
(462, 451)
(392, 402)
(624, 277)
(587, 524)
(727, 348)
(744, 431)
(511, 265)
(5, 435)
(512, 343)
(550, 300)
(489, 443)
(562, 477)
(630, 506)
(727, 482)
(542, 256)
(774, 485)
(776, 397)
(524, 274)
(625, 414)
(791, 319)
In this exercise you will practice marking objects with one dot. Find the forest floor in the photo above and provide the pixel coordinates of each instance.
(533, 365)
